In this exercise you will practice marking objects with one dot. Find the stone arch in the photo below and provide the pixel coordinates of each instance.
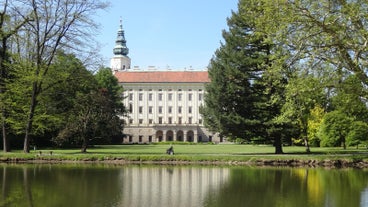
(180, 136)
(159, 136)
(190, 136)
(169, 136)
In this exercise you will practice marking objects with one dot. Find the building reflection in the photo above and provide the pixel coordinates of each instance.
(166, 186)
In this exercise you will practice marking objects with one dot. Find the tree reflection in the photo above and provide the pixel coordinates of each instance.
(87, 185)
(291, 187)
(27, 188)
(59, 185)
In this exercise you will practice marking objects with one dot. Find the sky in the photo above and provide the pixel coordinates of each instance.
(166, 33)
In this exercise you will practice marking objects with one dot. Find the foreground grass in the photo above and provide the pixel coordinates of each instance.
(187, 153)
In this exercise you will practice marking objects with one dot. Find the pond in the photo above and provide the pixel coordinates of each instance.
(53, 185)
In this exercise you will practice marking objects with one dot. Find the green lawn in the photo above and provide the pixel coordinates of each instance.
(199, 152)
(213, 150)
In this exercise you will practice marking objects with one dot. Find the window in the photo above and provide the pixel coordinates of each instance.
(179, 109)
(160, 120)
(190, 96)
(170, 109)
(200, 96)
(190, 109)
(150, 96)
(130, 108)
(130, 96)
(160, 96)
(199, 121)
(140, 138)
(140, 121)
(169, 96)
(150, 110)
(130, 121)
(179, 96)
(190, 120)
(140, 96)
(170, 120)
(150, 121)
(140, 109)
(179, 120)
(160, 109)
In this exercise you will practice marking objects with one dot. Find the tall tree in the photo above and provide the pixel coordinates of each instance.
(55, 24)
(66, 78)
(9, 26)
(303, 93)
(236, 104)
(273, 84)
(111, 128)
(322, 38)
(83, 123)
(96, 114)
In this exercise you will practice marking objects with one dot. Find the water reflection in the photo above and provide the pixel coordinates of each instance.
(53, 185)
(171, 186)
(167, 186)
(288, 187)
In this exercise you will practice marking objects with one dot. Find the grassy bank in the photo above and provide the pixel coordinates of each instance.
(203, 154)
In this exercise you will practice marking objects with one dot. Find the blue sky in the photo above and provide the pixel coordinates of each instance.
(161, 33)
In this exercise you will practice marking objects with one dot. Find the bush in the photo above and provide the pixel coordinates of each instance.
(358, 134)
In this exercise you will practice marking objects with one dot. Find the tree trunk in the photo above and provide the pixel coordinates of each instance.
(343, 142)
(306, 144)
(32, 107)
(5, 138)
(84, 145)
(278, 145)
(26, 147)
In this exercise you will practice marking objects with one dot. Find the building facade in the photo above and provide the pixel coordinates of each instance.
(162, 105)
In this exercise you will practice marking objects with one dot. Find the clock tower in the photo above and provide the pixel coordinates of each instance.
(120, 61)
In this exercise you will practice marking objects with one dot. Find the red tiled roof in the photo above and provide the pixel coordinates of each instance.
(162, 77)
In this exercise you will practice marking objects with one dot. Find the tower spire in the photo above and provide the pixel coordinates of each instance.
(120, 43)
(120, 60)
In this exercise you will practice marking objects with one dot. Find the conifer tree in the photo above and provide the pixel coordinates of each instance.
(235, 101)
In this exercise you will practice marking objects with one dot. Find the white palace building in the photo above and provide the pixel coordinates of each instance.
(163, 104)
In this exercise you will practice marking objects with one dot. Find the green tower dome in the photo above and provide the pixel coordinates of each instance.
(120, 43)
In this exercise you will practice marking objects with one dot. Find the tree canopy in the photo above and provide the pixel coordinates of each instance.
(305, 60)
(32, 33)
(95, 115)
(238, 100)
